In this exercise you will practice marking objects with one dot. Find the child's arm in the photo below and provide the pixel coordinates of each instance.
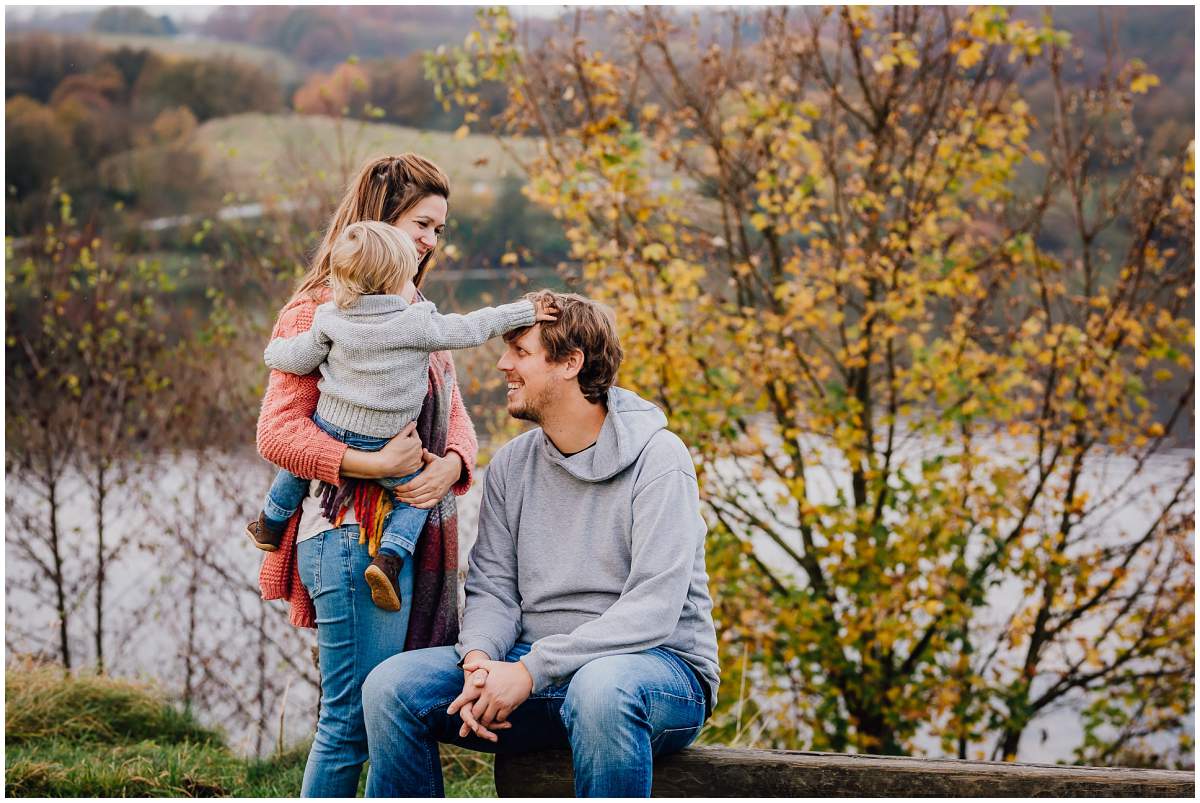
(302, 353)
(436, 332)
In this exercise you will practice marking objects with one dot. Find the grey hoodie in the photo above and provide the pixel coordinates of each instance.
(600, 553)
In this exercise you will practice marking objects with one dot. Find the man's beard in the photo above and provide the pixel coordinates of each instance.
(534, 409)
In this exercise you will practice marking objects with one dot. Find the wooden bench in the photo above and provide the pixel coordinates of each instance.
(736, 772)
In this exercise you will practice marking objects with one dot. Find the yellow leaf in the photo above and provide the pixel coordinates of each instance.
(1142, 83)
(759, 221)
(461, 132)
(654, 252)
(970, 55)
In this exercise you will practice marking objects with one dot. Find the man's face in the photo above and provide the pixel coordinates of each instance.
(533, 383)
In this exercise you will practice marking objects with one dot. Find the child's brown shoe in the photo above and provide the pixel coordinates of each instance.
(262, 535)
(381, 577)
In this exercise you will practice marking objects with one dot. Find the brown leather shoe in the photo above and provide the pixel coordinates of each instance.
(381, 577)
(262, 535)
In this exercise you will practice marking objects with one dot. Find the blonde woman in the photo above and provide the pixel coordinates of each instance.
(319, 566)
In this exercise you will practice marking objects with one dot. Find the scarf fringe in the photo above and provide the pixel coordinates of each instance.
(371, 503)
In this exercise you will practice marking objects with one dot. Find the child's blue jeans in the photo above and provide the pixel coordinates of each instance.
(403, 525)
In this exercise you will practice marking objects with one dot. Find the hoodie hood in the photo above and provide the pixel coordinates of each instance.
(629, 425)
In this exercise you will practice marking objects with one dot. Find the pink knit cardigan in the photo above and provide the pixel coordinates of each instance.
(288, 437)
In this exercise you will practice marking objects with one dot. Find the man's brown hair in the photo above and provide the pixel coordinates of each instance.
(586, 325)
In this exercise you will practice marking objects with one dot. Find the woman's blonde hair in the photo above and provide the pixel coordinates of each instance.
(370, 258)
(384, 190)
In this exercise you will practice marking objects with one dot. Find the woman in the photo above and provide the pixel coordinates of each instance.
(319, 567)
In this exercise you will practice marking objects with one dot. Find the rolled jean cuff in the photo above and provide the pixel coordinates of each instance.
(276, 513)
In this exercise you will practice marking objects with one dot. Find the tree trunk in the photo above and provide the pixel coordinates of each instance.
(57, 577)
(101, 493)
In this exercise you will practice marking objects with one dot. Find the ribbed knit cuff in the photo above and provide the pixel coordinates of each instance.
(476, 641)
(519, 313)
(535, 664)
(329, 463)
(360, 420)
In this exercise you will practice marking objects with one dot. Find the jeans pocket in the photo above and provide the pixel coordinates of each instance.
(308, 562)
(672, 740)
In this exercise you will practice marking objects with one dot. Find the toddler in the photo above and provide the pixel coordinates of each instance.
(372, 345)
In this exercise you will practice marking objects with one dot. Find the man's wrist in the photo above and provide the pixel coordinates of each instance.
(471, 656)
(527, 675)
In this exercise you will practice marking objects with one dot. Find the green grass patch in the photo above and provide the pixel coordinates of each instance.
(88, 735)
(43, 704)
(260, 154)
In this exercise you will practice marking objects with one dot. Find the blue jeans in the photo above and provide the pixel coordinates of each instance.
(353, 637)
(615, 714)
(403, 525)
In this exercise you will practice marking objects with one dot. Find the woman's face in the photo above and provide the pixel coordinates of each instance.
(425, 223)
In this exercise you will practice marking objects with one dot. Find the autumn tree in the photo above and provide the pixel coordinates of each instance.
(929, 348)
(87, 334)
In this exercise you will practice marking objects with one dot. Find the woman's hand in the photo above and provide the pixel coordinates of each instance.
(427, 488)
(400, 456)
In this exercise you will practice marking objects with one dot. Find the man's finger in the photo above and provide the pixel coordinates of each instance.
(456, 704)
(489, 713)
(461, 700)
(478, 729)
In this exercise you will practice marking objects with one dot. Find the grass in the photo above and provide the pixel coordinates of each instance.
(94, 736)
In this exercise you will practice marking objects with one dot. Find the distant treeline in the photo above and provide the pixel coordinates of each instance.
(113, 126)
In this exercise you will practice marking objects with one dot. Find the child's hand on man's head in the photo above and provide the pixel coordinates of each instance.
(543, 307)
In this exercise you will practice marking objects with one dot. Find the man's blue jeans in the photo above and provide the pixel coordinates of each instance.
(615, 714)
(353, 636)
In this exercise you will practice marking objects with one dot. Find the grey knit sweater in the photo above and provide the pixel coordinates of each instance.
(374, 356)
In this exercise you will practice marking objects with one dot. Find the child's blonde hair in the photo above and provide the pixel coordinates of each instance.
(370, 258)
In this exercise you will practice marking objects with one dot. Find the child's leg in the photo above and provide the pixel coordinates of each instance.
(403, 525)
(284, 498)
(401, 530)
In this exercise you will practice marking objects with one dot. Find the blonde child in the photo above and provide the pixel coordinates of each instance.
(372, 345)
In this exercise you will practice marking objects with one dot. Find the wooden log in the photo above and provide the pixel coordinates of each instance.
(736, 772)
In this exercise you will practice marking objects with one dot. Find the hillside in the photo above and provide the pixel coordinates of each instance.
(253, 153)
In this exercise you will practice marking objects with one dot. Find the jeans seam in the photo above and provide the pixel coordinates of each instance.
(320, 558)
(424, 712)
(434, 768)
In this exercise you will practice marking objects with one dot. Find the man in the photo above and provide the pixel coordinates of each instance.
(588, 621)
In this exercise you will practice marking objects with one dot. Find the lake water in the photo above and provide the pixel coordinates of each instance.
(251, 672)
